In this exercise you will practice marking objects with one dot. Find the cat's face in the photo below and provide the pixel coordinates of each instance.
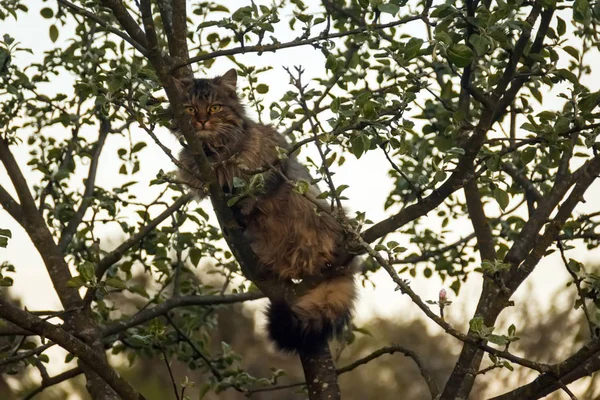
(214, 107)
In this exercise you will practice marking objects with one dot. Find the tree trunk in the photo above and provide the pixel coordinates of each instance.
(319, 371)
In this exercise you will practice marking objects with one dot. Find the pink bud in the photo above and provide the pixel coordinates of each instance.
(443, 294)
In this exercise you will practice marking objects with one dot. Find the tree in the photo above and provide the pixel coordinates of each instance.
(454, 95)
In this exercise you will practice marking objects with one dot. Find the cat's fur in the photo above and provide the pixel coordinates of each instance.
(290, 237)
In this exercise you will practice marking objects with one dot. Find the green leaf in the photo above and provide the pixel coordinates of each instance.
(47, 12)
(530, 127)
(359, 144)
(412, 48)
(528, 155)
(476, 324)
(331, 62)
(481, 44)
(581, 10)
(231, 202)
(335, 105)
(195, 256)
(368, 110)
(203, 390)
(443, 10)
(460, 55)
(53, 33)
(87, 271)
(498, 339)
(218, 8)
(76, 282)
(561, 26)
(389, 8)
(139, 340)
(138, 146)
(6, 282)
(239, 182)
(572, 51)
(589, 102)
(568, 75)
(301, 186)
(501, 197)
(262, 88)
(116, 283)
(206, 24)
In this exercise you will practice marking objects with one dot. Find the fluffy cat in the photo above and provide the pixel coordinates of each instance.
(291, 239)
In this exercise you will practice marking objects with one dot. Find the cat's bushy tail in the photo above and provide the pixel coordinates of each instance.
(319, 314)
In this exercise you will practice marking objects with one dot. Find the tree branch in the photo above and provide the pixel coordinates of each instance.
(585, 176)
(511, 67)
(21, 356)
(584, 362)
(10, 205)
(93, 17)
(294, 43)
(88, 355)
(55, 380)
(37, 230)
(184, 301)
(178, 44)
(126, 21)
(431, 385)
(515, 85)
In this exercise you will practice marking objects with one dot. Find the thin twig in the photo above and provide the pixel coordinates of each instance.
(577, 282)
(26, 354)
(184, 301)
(431, 385)
(87, 197)
(417, 191)
(55, 380)
(164, 354)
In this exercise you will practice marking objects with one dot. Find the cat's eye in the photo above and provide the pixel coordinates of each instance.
(190, 110)
(214, 108)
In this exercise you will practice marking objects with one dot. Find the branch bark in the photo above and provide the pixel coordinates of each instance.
(55, 380)
(126, 21)
(164, 308)
(96, 362)
(93, 17)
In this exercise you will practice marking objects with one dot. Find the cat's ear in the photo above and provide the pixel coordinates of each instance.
(184, 84)
(229, 79)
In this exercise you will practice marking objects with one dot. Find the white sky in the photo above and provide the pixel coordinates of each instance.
(367, 177)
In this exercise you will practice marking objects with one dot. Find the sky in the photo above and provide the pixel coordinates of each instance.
(367, 177)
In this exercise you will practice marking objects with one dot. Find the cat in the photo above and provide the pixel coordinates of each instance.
(290, 238)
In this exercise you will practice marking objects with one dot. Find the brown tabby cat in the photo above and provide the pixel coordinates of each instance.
(289, 237)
